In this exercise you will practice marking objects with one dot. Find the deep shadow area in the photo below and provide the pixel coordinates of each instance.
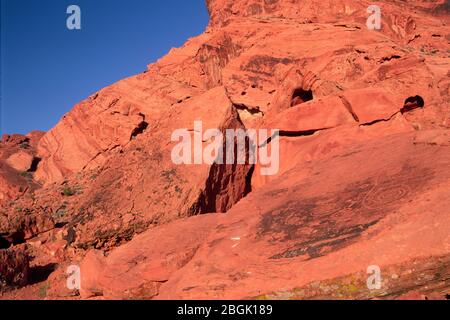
(139, 130)
(34, 164)
(6, 241)
(301, 96)
(41, 273)
(4, 244)
(413, 103)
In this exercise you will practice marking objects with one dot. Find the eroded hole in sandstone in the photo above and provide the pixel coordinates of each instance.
(413, 103)
(139, 129)
(12, 240)
(40, 274)
(4, 244)
(248, 181)
(18, 238)
(301, 96)
(34, 164)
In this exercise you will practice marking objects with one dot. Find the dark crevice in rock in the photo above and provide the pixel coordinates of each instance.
(301, 133)
(113, 103)
(18, 238)
(60, 225)
(379, 120)
(35, 164)
(227, 183)
(417, 36)
(292, 134)
(215, 197)
(251, 110)
(10, 240)
(349, 108)
(413, 103)
(301, 96)
(248, 181)
(4, 244)
(139, 129)
(389, 58)
(40, 273)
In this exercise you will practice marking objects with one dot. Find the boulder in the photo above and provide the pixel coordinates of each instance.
(20, 161)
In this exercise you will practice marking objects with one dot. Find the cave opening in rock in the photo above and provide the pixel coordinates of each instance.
(301, 96)
(6, 241)
(17, 238)
(413, 103)
(34, 164)
(139, 129)
(40, 274)
(4, 244)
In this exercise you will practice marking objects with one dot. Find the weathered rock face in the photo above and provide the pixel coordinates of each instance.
(399, 19)
(140, 186)
(153, 189)
(384, 205)
(363, 176)
(139, 268)
(18, 162)
(14, 267)
(259, 70)
(104, 123)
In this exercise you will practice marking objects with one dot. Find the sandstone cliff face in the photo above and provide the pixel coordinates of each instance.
(233, 53)
(363, 179)
(18, 163)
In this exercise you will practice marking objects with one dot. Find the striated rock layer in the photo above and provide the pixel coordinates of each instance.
(363, 179)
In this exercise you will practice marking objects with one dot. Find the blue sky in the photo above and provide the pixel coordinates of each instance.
(46, 69)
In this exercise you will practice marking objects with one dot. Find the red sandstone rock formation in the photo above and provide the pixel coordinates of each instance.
(14, 267)
(18, 162)
(363, 177)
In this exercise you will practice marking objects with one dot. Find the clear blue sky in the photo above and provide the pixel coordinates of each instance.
(46, 69)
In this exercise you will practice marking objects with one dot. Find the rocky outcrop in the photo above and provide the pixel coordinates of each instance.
(139, 268)
(246, 57)
(98, 128)
(153, 190)
(140, 186)
(385, 205)
(14, 267)
(363, 118)
(18, 162)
